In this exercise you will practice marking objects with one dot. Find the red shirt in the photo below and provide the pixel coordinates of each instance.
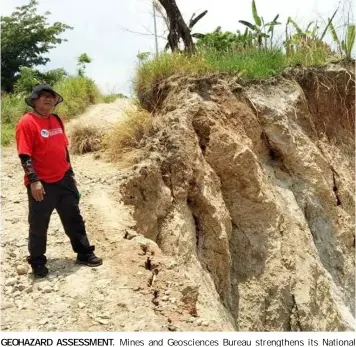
(44, 140)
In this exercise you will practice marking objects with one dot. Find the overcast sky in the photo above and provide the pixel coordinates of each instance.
(101, 29)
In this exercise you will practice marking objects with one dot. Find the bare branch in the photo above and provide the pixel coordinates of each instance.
(144, 34)
(160, 10)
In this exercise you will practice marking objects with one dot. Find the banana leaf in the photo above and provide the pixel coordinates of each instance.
(198, 35)
(250, 25)
(194, 21)
(256, 18)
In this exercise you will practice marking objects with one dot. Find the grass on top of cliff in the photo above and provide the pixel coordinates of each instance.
(251, 64)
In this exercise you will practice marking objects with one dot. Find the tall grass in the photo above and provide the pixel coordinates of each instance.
(157, 69)
(253, 63)
(309, 57)
(12, 108)
(78, 93)
(127, 135)
(248, 64)
(7, 134)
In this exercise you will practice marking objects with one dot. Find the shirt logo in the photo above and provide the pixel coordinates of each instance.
(57, 131)
(44, 133)
(51, 132)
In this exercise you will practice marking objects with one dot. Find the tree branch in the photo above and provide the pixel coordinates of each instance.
(144, 34)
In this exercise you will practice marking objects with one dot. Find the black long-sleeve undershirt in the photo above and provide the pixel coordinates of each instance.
(26, 162)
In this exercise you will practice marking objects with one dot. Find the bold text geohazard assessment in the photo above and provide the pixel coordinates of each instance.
(59, 342)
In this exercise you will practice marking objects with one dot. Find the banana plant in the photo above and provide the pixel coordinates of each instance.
(194, 20)
(227, 41)
(262, 30)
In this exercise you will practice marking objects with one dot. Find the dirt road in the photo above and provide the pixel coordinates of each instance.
(113, 297)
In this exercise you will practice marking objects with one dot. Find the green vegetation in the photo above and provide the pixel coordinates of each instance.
(247, 64)
(346, 45)
(28, 78)
(83, 59)
(165, 65)
(7, 134)
(78, 93)
(33, 36)
(250, 54)
(12, 108)
(261, 31)
(112, 97)
(250, 63)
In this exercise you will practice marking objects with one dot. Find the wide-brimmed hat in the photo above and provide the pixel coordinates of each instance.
(36, 92)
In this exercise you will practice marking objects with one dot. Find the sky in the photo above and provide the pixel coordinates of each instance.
(113, 32)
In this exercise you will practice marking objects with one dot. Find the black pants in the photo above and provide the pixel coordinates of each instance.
(62, 196)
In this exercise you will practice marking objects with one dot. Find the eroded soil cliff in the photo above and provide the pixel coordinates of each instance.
(251, 188)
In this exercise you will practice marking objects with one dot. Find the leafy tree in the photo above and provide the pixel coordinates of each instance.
(83, 59)
(26, 37)
(52, 77)
(29, 78)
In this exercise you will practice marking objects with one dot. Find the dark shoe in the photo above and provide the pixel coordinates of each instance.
(89, 260)
(40, 271)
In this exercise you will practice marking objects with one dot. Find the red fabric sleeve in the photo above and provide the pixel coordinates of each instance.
(24, 138)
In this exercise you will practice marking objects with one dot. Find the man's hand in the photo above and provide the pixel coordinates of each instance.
(37, 191)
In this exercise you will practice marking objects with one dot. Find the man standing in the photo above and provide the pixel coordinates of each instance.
(49, 178)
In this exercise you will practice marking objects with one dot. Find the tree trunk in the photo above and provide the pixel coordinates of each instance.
(177, 27)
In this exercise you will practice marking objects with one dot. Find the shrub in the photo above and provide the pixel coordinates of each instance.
(7, 134)
(85, 138)
(127, 135)
(78, 94)
(112, 97)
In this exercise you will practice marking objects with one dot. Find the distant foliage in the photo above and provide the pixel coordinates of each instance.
(226, 41)
(83, 59)
(78, 93)
(27, 36)
(29, 78)
(112, 97)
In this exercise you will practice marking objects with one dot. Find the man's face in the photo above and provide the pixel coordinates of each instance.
(45, 101)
